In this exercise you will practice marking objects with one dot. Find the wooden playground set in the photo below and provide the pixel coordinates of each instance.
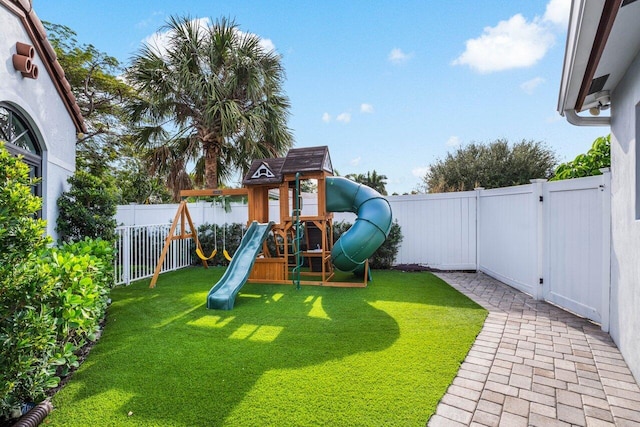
(304, 248)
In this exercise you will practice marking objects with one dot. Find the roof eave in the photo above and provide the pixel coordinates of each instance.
(590, 25)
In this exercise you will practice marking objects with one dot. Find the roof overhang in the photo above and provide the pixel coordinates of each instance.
(603, 38)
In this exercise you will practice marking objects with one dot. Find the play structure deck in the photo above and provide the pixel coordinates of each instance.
(305, 252)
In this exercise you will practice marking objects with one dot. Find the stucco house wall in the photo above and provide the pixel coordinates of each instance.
(40, 103)
(625, 239)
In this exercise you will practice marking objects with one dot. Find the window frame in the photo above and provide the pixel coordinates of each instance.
(33, 160)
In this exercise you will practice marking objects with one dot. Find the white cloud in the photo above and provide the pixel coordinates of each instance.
(326, 117)
(266, 44)
(453, 141)
(557, 12)
(397, 56)
(515, 43)
(530, 85)
(420, 171)
(366, 108)
(344, 117)
(356, 161)
(159, 41)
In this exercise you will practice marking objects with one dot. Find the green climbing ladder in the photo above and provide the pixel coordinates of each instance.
(297, 241)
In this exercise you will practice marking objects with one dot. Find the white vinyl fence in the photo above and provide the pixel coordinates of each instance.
(206, 212)
(551, 240)
(509, 223)
(439, 230)
(548, 239)
(138, 248)
(576, 254)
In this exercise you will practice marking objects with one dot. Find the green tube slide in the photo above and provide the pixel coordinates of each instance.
(371, 227)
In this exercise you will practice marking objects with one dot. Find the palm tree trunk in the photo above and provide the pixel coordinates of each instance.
(211, 152)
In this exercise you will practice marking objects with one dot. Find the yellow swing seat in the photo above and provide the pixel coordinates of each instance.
(205, 258)
(226, 255)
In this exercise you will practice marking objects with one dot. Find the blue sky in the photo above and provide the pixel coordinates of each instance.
(390, 86)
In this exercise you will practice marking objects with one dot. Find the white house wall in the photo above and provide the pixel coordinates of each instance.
(625, 255)
(39, 101)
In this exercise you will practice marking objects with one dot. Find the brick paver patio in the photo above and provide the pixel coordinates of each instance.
(534, 364)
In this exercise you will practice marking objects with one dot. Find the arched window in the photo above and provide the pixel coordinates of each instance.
(21, 140)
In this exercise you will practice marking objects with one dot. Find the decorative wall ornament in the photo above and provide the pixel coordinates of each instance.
(25, 49)
(23, 60)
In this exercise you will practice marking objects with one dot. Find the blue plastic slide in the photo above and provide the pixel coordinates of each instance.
(223, 294)
(372, 225)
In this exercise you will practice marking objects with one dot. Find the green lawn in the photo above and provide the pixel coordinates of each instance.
(381, 355)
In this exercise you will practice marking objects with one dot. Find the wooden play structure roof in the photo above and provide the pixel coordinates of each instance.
(303, 160)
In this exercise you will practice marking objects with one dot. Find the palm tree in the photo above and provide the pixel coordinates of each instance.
(377, 182)
(371, 179)
(212, 97)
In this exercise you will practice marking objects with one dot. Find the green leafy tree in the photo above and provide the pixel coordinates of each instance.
(493, 165)
(589, 164)
(212, 97)
(100, 94)
(106, 148)
(135, 182)
(87, 209)
(371, 179)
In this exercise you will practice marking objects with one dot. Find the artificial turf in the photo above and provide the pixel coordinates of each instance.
(381, 355)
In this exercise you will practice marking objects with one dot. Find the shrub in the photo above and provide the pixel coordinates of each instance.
(385, 256)
(27, 326)
(21, 234)
(589, 164)
(62, 305)
(87, 209)
(51, 299)
(80, 276)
